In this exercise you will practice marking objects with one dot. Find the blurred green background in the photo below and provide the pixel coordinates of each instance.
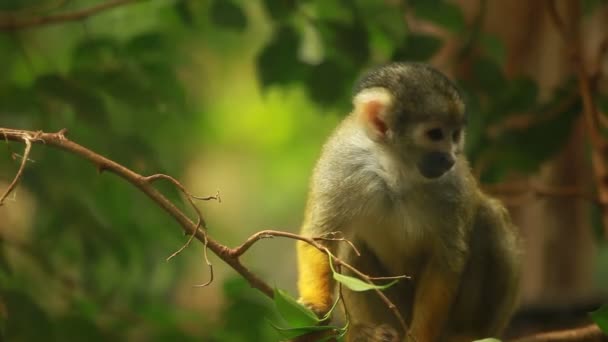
(238, 96)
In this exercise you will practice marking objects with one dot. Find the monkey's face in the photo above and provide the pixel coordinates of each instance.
(415, 112)
(437, 145)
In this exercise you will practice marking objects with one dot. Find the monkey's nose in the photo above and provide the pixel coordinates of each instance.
(435, 164)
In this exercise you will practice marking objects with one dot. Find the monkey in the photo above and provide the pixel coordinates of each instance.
(393, 179)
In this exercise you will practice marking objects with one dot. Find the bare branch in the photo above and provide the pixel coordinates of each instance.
(46, 6)
(17, 178)
(589, 333)
(523, 121)
(337, 236)
(12, 23)
(571, 36)
(525, 188)
(59, 140)
(185, 245)
(207, 262)
(200, 222)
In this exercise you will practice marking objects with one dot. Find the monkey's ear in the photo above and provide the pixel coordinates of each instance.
(371, 109)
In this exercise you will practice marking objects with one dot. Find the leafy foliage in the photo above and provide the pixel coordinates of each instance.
(356, 284)
(600, 317)
(227, 14)
(300, 319)
(140, 84)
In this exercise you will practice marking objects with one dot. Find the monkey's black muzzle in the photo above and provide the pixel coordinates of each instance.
(434, 164)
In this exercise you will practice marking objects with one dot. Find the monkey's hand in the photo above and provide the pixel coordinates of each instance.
(315, 281)
(320, 311)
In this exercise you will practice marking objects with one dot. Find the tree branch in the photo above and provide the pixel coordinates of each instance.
(571, 36)
(588, 333)
(12, 24)
(144, 183)
(528, 187)
(24, 158)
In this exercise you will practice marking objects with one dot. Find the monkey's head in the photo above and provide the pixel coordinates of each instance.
(415, 113)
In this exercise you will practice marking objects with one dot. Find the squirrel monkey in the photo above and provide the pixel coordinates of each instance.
(393, 180)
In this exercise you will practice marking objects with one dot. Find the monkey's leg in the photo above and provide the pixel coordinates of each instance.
(435, 291)
(315, 281)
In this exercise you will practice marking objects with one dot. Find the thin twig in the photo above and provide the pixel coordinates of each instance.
(522, 122)
(17, 178)
(209, 264)
(12, 24)
(337, 236)
(200, 221)
(185, 245)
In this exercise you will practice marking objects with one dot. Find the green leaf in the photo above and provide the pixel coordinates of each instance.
(97, 53)
(77, 328)
(184, 13)
(299, 331)
(358, 285)
(441, 13)
(525, 149)
(244, 304)
(494, 48)
(280, 10)
(600, 317)
(387, 17)
(85, 101)
(418, 47)
(489, 76)
(278, 63)
(355, 284)
(602, 102)
(18, 101)
(17, 5)
(591, 5)
(476, 123)
(23, 310)
(294, 313)
(150, 47)
(519, 96)
(346, 43)
(329, 82)
(226, 14)
(336, 11)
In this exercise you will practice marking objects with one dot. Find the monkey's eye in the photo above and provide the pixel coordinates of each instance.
(456, 135)
(435, 134)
